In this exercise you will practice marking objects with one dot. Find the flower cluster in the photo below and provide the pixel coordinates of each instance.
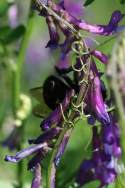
(69, 98)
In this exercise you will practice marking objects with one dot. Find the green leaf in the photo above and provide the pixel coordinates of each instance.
(88, 2)
(93, 184)
(9, 35)
(122, 1)
(3, 7)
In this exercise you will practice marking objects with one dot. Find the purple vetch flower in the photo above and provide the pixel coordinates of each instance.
(47, 136)
(53, 32)
(96, 102)
(101, 167)
(13, 140)
(106, 30)
(36, 183)
(25, 153)
(56, 115)
(61, 149)
(101, 56)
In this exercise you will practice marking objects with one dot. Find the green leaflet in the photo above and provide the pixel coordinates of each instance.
(122, 1)
(8, 35)
(88, 2)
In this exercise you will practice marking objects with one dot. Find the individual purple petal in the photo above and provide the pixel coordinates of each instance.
(74, 8)
(61, 149)
(36, 159)
(108, 149)
(53, 32)
(111, 139)
(117, 151)
(96, 101)
(47, 136)
(116, 17)
(25, 153)
(36, 183)
(108, 134)
(56, 115)
(86, 172)
(106, 30)
(107, 176)
(101, 56)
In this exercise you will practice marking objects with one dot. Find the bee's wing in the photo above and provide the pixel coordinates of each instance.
(40, 111)
(37, 93)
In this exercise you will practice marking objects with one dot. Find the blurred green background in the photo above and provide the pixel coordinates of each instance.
(39, 63)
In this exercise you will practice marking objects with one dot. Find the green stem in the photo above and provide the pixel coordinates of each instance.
(16, 89)
(118, 98)
(21, 56)
(66, 130)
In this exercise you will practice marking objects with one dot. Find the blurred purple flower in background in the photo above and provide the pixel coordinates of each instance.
(13, 15)
(13, 140)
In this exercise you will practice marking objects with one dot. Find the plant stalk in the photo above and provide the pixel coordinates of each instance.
(16, 89)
